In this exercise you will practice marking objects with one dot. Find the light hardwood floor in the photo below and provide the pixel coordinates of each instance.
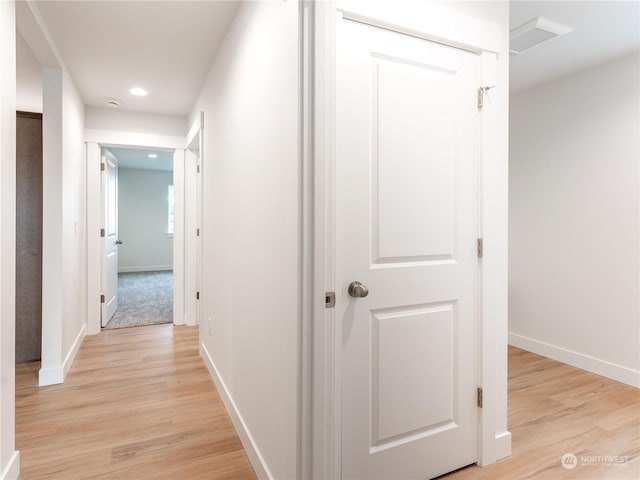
(139, 404)
(556, 409)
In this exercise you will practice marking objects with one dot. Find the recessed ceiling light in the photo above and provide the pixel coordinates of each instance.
(138, 91)
(152, 155)
(534, 32)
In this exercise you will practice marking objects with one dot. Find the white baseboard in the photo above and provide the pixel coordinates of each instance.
(494, 449)
(190, 320)
(177, 319)
(50, 376)
(256, 459)
(503, 445)
(55, 375)
(12, 470)
(71, 356)
(147, 268)
(576, 359)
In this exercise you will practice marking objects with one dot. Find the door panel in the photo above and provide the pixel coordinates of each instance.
(406, 227)
(401, 366)
(110, 260)
(403, 110)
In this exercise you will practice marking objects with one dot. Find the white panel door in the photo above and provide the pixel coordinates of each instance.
(199, 229)
(191, 255)
(110, 250)
(406, 227)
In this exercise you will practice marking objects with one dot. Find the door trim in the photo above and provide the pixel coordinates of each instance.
(306, 293)
(463, 32)
(107, 157)
(191, 248)
(95, 140)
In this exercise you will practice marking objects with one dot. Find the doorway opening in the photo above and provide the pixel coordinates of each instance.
(179, 226)
(137, 260)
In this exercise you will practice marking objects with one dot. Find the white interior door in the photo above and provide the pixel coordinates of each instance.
(199, 230)
(110, 249)
(406, 228)
(192, 235)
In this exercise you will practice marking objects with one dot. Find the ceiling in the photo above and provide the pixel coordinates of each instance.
(166, 47)
(603, 30)
(138, 158)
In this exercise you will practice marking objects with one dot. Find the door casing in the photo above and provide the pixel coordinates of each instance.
(95, 140)
(109, 241)
(193, 227)
(322, 387)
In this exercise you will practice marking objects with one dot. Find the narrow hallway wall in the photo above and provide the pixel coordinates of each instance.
(250, 329)
(9, 458)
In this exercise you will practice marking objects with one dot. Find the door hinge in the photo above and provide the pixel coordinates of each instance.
(329, 299)
(480, 247)
(102, 298)
(481, 92)
(102, 167)
(102, 232)
(197, 232)
(198, 168)
(479, 397)
(197, 295)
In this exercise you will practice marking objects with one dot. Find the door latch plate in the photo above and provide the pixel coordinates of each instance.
(329, 299)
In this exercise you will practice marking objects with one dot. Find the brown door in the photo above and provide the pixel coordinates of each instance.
(28, 236)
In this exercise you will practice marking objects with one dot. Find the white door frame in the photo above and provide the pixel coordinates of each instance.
(95, 140)
(106, 275)
(192, 228)
(318, 100)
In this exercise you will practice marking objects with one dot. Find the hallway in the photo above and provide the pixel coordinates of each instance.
(138, 403)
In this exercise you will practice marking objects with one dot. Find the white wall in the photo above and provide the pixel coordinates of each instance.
(9, 463)
(74, 203)
(52, 225)
(251, 224)
(142, 220)
(574, 224)
(64, 226)
(29, 78)
(97, 118)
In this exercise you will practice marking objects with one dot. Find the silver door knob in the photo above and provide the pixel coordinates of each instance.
(118, 242)
(358, 290)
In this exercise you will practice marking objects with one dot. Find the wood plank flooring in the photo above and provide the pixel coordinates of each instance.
(137, 404)
(556, 409)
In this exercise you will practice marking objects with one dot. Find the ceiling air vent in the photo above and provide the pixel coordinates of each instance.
(533, 33)
(113, 103)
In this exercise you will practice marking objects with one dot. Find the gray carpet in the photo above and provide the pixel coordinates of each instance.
(144, 298)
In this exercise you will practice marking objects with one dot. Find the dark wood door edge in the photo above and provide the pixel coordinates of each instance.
(28, 114)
